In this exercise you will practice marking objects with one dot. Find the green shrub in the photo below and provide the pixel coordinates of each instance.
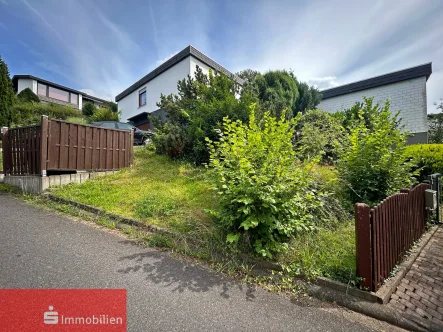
(27, 96)
(30, 113)
(266, 196)
(199, 108)
(318, 133)
(104, 114)
(373, 163)
(88, 109)
(427, 157)
(365, 111)
(435, 123)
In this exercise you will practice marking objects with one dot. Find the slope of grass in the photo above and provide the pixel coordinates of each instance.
(176, 195)
(156, 190)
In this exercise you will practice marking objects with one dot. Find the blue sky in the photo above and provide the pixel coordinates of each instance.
(102, 47)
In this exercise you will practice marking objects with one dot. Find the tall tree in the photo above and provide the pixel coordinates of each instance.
(277, 90)
(309, 98)
(7, 95)
(435, 122)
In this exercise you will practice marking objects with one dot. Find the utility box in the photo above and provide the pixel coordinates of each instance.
(431, 199)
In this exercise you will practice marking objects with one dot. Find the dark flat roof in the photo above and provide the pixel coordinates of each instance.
(183, 54)
(16, 77)
(396, 76)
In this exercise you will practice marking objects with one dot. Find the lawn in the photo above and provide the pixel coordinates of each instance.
(177, 196)
(156, 190)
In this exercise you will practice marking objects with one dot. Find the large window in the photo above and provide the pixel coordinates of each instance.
(58, 94)
(41, 89)
(74, 98)
(142, 98)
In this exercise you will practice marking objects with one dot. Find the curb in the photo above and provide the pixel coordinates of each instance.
(375, 310)
(115, 217)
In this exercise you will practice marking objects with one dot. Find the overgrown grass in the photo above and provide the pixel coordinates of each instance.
(327, 252)
(176, 195)
(156, 190)
(76, 119)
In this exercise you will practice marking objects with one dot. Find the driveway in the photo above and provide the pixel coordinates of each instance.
(41, 249)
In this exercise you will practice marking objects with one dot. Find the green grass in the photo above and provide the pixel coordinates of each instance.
(156, 190)
(327, 252)
(175, 195)
(79, 120)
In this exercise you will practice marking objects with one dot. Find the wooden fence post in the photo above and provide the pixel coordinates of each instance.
(43, 144)
(5, 150)
(363, 244)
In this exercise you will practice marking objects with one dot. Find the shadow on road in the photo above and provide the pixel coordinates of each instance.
(161, 268)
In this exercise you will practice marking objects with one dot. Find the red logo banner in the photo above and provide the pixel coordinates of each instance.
(63, 310)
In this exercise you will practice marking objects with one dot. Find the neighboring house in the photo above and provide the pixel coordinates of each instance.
(406, 90)
(51, 92)
(141, 98)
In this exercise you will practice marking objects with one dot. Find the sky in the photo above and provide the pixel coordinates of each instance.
(102, 47)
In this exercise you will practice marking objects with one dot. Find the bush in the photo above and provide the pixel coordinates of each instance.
(27, 96)
(427, 157)
(373, 163)
(30, 113)
(366, 111)
(199, 108)
(318, 133)
(104, 114)
(265, 195)
(88, 109)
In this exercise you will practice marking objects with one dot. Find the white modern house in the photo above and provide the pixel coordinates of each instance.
(141, 98)
(406, 90)
(51, 92)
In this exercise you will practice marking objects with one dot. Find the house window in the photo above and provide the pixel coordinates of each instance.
(59, 94)
(142, 98)
(74, 98)
(41, 89)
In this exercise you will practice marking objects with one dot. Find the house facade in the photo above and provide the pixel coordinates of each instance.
(50, 92)
(141, 98)
(405, 89)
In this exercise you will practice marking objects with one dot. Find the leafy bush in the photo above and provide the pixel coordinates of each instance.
(265, 195)
(365, 111)
(104, 114)
(30, 113)
(435, 122)
(427, 157)
(88, 109)
(373, 163)
(27, 96)
(195, 112)
(318, 133)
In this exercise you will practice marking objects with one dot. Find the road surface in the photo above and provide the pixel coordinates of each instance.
(41, 249)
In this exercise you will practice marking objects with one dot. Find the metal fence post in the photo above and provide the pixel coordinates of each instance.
(43, 145)
(363, 244)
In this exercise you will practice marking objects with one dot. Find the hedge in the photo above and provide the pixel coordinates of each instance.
(29, 113)
(428, 157)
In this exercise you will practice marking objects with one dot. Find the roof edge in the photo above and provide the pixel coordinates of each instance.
(376, 81)
(183, 54)
(18, 76)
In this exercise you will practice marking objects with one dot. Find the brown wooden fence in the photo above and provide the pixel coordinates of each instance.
(386, 232)
(57, 145)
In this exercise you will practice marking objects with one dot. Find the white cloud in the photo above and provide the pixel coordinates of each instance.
(323, 82)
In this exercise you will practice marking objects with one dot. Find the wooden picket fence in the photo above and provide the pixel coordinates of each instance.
(386, 232)
(56, 145)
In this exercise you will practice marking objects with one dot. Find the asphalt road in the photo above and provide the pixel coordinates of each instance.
(41, 249)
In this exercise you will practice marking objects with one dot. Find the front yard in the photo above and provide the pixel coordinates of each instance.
(177, 196)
